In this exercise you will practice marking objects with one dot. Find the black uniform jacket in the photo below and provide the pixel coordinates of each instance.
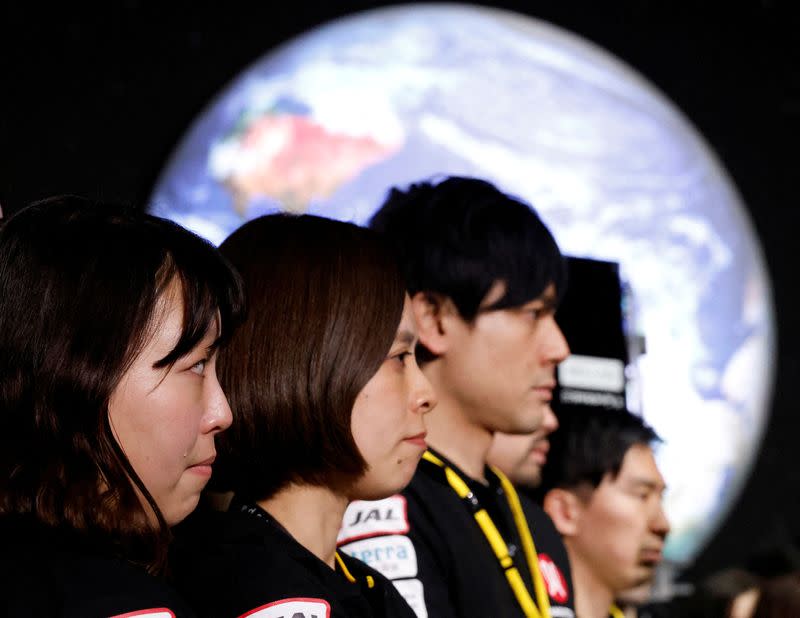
(244, 563)
(428, 542)
(45, 572)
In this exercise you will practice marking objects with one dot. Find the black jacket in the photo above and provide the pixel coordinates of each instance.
(427, 540)
(243, 562)
(51, 573)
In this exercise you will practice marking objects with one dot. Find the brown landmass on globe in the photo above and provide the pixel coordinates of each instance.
(294, 159)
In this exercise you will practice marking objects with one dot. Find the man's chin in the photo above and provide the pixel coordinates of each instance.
(637, 593)
(527, 475)
(645, 572)
(525, 423)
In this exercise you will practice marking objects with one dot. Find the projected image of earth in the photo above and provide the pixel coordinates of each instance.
(328, 122)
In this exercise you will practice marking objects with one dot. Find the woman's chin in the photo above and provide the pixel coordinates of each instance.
(370, 488)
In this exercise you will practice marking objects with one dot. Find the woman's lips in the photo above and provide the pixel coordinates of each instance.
(203, 468)
(418, 439)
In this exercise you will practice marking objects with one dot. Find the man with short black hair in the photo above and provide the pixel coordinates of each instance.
(603, 490)
(485, 276)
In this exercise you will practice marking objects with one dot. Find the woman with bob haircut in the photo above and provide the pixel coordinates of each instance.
(109, 324)
(329, 405)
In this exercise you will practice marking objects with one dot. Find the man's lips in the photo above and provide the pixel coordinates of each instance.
(539, 452)
(418, 439)
(650, 556)
(545, 391)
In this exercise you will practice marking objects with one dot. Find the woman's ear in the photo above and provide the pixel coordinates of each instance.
(429, 311)
(565, 509)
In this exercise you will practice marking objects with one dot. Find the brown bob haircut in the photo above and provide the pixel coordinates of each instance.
(325, 299)
(80, 284)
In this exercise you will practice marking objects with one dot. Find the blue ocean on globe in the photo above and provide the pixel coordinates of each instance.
(326, 123)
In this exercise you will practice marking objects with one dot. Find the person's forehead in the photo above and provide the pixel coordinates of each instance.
(166, 325)
(166, 321)
(639, 467)
(407, 329)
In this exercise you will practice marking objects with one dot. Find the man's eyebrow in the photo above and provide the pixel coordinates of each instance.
(648, 483)
(550, 301)
(547, 301)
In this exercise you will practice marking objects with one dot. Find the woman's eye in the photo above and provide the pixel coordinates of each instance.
(401, 358)
(199, 367)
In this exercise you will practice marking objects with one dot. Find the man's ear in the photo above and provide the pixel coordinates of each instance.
(430, 311)
(565, 509)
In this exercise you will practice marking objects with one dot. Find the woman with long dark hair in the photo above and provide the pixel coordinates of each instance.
(110, 320)
(329, 408)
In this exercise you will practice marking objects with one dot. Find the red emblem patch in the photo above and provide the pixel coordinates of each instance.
(156, 612)
(553, 579)
(303, 607)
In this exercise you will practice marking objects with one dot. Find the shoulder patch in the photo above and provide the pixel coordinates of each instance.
(413, 592)
(156, 612)
(553, 579)
(298, 607)
(392, 556)
(368, 518)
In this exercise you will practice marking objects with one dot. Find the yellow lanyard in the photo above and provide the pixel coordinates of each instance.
(616, 612)
(348, 575)
(499, 546)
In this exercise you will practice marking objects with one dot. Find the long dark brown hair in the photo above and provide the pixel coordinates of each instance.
(79, 286)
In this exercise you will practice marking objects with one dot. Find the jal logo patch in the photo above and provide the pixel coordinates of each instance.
(298, 607)
(364, 519)
(157, 612)
(553, 579)
(392, 556)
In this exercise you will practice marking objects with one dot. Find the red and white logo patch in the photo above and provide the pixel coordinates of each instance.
(367, 518)
(155, 612)
(298, 607)
(553, 579)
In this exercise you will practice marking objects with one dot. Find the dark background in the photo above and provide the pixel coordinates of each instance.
(92, 101)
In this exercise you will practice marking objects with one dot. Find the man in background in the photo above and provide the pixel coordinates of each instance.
(603, 490)
(522, 456)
